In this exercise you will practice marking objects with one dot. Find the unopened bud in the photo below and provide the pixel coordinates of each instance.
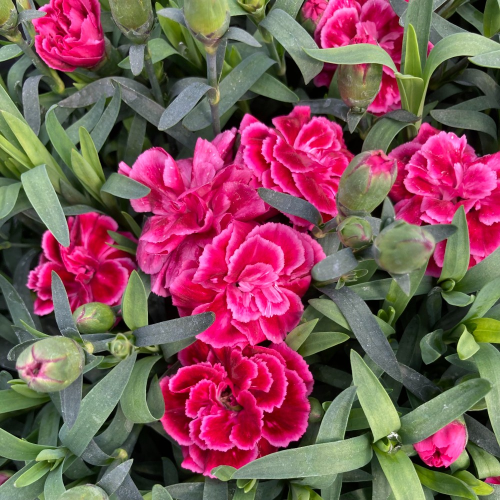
(94, 318)
(365, 183)
(8, 17)
(317, 412)
(402, 248)
(208, 20)
(120, 346)
(5, 475)
(355, 232)
(256, 8)
(135, 18)
(51, 364)
(359, 84)
(86, 492)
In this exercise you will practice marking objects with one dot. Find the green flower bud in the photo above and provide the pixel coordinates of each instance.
(317, 412)
(208, 20)
(94, 318)
(120, 346)
(5, 475)
(256, 8)
(402, 248)
(135, 18)
(51, 364)
(355, 232)
(365, 183)
(86, 492)
(8, 17)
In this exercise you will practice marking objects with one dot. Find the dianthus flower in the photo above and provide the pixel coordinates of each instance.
(91, 270)
(314, 9)
(192, 200)
(303, 156)
(252, 277)
(230, 406)
(437, 173)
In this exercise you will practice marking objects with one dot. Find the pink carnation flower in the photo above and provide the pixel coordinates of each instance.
(313, 9)
(230, 406)
(252, 277)
(302, 156)
(192, 201)
(70, 36)
(91, 270)
(444, 447)
(492, 480)
(437, 173)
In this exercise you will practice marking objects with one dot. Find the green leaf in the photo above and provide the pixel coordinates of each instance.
(432, 416)
(491, 22)
(334, 266)
(135, 303)
(466, 346)
(361, 53)
(11, 400)
(231, 89)
(54, 484)
(300, 334)
(320, 341)
(8, 198)
(58, 136)
(400, 474)
(160, 493)
(485, 300)
(475, 485)
(308, 461)
(32, 475)
(113, 479)
(107, 121)
(173, 330)
(486, 464)
(291, 7)
(134, 401)
(18, 449)
(419, 16)
(271, 87)
(17, 308)
(9, 492)
(485, 330)
(383, 133)
(124, 187)
(62, 309)
(89, 152)
(296, 41)
(10, 51)
(86, 174)
(159, 49)
(376, 403)
(444, 483)
(39, 190)
(412, 63)
(412, 92)
(432, 346)
(469, 120)
(216, 490)
(96, 407)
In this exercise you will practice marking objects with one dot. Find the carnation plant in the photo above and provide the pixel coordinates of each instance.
(250, 250)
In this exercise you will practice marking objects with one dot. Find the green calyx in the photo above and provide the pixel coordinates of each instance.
(359, 84)
(135, 18)
(355, 232)
(94, 318)
(208, 20)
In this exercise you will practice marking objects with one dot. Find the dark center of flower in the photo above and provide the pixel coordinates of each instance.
(228, 400)
(34, 369)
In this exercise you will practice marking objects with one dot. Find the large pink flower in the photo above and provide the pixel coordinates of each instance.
(192, 201)
(91, 270)
(230, 406)
(302, 156)
(437, 173)
(252, 277)
(70, 36)
(314, 9)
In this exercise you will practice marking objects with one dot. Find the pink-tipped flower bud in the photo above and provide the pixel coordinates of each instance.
(445, 446)
(359, 84)
(365, 183)
(51, 364)
(94, 317)
(5, 475)
(208, 20)
(85, 492)
(355, 232)
(402, 248)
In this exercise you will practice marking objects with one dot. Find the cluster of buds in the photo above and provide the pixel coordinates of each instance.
(208, 20)
(134, 18)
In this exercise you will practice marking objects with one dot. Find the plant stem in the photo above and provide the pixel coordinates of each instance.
(153, 80)
(273, 51)
(56, 84)
(214, 94)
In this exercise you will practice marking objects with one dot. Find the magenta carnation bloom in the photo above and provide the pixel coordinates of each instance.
(302, 156)
(230, 406)
(314, 9)
(444, 447)
(252, 277)
(70, 36)
(91, 270)
(492, 480)
(437, 173)
(192, 201)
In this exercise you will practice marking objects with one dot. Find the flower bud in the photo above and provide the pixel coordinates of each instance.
(94, 318)
(355, 232)
(8, 17)
(51, 364)
(492, 480)
(120, 346)
(256, 8)
(134, 18)
(208, 20)
(317, 412)
(365, 183)
(86, 492)
(445, 446)
(5, 475)
(359, 84)
(402, 248)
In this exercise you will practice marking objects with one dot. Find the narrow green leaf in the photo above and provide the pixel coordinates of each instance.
(300, 334)
(216, 490)
(124, 187)
(8, 198)
(41, 194)
(469, 120)
(159, 48)
(444, 483)
(107, 121)
(11, 400)
(161, 493)
(62, 309)
(412, 64)
(32, 475)
(477, 486)
(432, 346)
(485, 330)
(18, 449)
(17, 308)
(135, 303)
(466, 346)
(419, 15)
(58, 136)
(334, 266)
(485, 300)
(481, 274)
(112, 479)
(89, 152)
(432, 416)
(491, 24)
(320, 341)
(54, 484)
(271, 87)
(486, 464)
(383, 133)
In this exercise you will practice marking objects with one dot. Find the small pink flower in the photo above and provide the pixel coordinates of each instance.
(302, 156)
(230, 406)
(313, 9)
(437, 173)
(444, 447)
(492, 480)
(252, 277)
(192, 201)
(91, 270)
(70, 36)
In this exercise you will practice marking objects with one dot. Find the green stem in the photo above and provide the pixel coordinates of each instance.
(273, 51)
(214, 94)
(153, 80)
(56, 84)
